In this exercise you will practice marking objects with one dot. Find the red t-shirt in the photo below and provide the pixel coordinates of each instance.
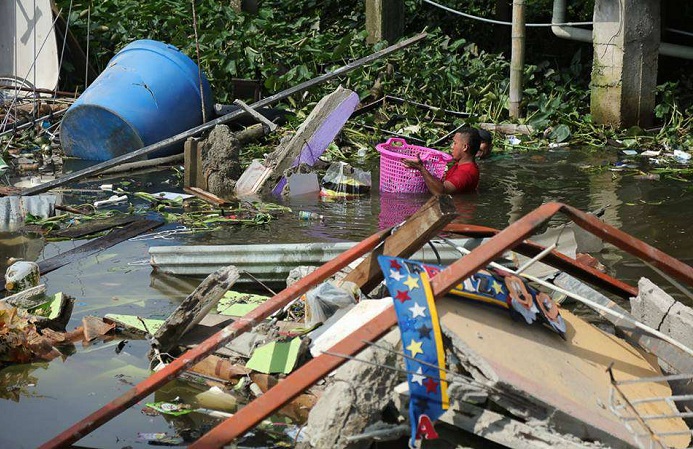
(465, 177)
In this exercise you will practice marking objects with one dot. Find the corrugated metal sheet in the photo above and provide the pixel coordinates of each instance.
(14, 209)
(268, 263)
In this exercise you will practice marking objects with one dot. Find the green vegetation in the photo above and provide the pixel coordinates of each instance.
(460, 67)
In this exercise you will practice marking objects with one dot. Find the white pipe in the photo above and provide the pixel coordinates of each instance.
(594, 305)
(582, 35)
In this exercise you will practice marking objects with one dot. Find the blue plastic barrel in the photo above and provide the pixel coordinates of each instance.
(149, 91)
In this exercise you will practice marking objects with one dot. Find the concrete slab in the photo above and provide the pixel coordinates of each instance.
(565, 379)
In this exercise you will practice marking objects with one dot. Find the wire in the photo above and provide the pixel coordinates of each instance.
(199, 65)
(499, 22)
(86, 65)
(62, 50)
(672, 30)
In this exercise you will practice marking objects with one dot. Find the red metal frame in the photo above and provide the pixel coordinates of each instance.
(191, 357)
(250, 415)
(555, 259)
(311, 372)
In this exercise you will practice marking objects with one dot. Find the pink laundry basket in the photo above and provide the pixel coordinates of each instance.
(396, 177)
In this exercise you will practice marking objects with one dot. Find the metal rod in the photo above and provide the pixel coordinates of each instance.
(226, 118)
(673, 282)
(590, 303)
(317, 368)
(676, 398)
(654, 379)
(536, 258)
(189, 358)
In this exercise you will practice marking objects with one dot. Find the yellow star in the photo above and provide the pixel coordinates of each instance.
(411, 283)
(415, 347)
(496, 287)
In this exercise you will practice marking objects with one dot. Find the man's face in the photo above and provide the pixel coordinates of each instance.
(459, 146)
(484, 150)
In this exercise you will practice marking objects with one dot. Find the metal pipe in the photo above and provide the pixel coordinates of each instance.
(555, 259)
(189, 358)
(517, 58)
(98, 168)
(583, 35)
(443, 282)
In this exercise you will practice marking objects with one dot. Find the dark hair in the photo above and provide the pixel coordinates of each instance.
(485, 136)
(473, 138)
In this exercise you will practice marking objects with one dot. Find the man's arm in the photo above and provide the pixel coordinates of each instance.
(435, 185)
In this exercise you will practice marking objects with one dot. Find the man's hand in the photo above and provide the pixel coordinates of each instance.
(416, 164)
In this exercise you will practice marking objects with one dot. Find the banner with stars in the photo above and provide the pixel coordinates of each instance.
(408, 283)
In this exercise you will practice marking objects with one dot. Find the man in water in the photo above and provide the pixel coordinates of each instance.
(463, 175)
(486, 144)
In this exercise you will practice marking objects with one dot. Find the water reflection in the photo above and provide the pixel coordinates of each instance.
(116, 281)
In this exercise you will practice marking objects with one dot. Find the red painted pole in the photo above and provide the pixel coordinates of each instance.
(191, 357)
(282, 393)
(554, 259)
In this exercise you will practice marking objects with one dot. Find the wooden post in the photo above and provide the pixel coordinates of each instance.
(384, 20)
(192, 171)
(517, 58)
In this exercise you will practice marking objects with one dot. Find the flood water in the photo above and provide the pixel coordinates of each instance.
(37, 401)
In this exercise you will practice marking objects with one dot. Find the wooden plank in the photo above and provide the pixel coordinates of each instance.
(195, 307)
(114, 237)
(566, 378)
(192, 172)
(206, 196)
(94, 226)
(98, 168)
(406, 240)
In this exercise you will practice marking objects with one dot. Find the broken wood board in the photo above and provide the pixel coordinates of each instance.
(195, 307)
(93, 226)
(207, 196)
(305, 147)
(135, 324)
(112, 238)
(566, 381)
(406, 240)
(314, 135)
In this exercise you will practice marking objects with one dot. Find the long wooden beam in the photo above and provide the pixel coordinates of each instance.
(98, 168)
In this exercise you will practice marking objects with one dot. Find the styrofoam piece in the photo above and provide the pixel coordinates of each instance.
(337, 327)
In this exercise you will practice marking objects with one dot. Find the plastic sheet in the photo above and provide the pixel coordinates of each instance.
(341, 179)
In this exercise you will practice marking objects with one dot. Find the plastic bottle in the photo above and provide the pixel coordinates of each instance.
(22, 275)
(306, 215)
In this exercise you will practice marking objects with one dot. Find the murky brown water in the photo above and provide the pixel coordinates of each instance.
(37, 401)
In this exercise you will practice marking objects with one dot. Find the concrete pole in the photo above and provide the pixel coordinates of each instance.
(517, 57)
(624, 70)
(384, 20)
(249, 6)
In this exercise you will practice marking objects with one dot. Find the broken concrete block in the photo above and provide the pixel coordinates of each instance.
(651, 305)
(678, 324)
(221, 161)
(355, 399)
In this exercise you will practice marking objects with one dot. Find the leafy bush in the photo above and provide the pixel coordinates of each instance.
(286, 43)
